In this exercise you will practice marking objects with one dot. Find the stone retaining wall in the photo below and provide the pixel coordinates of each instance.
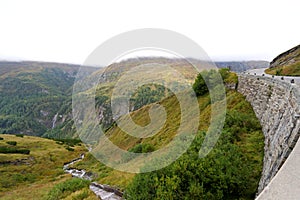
(276, 104)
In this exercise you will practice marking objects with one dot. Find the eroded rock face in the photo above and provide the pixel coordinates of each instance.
(276, 105)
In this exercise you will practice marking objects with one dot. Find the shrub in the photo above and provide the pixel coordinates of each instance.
(199, 86)
(13, 143)
(69, 149)
(64, 189)
(1, 138)
(8, 150)
(68, 141)
(20, 135)
(142, 148)
(139, 148)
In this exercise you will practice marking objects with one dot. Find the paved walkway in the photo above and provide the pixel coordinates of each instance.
(286, 183)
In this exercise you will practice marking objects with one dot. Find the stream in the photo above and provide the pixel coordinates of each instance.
(105, 192)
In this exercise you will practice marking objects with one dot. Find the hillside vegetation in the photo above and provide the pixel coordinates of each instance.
(31, 167)
(33, 175)
(36, 97)
(286, 64)
(231, 171)
(31, 94)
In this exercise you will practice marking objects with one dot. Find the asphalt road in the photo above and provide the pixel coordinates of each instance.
(261, 72)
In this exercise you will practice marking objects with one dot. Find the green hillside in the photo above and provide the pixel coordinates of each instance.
(32, 93)
(286, 64)
(231, 171)
(31, 167)
(36, 97)
(33, 175)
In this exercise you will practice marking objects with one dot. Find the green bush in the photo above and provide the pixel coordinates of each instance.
(20, 135)
(8, 150)
(212, 81)
(139, 148)
(68, 141)
(69, 149)
(13, 143)
(199, 86)
(64, 189)
(142, 148)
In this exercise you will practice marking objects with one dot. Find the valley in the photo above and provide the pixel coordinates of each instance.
(42, 157)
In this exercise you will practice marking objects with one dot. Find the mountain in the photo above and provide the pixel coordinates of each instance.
(243, 65)
(37, 101)
(286, 64)
(32, 94)
(36, 97)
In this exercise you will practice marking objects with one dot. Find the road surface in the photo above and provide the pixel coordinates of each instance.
(261, 72)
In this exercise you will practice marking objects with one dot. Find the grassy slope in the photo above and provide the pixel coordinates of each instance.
(287, 70)
(37, 179)
(286, 64)
(251, 143)
(43, 171)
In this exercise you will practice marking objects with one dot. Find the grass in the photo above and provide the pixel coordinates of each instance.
(289, 70)
(41, 175)
(165, 135)
(104, 174)
(35, 174)
(84, 193)
(236, 103)
(66, 188)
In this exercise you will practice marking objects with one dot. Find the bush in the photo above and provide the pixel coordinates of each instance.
(139, 148)
(199, 86)
(1, 138)
(8, 150)
(212, 80)
(142, 148)
(69, 149)
(13, 143)
(20, 135)
(68, 141)
(64, 189)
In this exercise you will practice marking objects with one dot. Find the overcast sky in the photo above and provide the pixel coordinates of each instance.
(68, 31)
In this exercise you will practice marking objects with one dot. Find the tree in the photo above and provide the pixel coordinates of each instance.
(199, 86)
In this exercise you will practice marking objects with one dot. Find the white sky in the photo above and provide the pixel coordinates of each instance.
(68, 31)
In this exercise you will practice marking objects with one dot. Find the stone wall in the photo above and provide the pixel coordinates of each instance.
(276, 104)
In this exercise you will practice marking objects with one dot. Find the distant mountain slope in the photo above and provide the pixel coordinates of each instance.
(31, 95)
(287, 63)
(36, 97)
(243, 65)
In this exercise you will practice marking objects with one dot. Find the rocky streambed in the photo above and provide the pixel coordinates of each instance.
(104, 192)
